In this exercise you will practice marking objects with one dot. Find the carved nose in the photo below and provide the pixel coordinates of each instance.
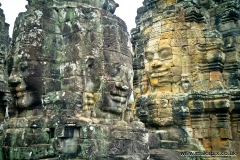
(142, 112)
(121, 85)
(14, 79)
(156, 63)
(89, 96)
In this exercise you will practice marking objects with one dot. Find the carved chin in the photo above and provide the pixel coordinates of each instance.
(143, 118)
(114, 104)
(161, 122)
(23, 103)
(160, 81)
(26, 101)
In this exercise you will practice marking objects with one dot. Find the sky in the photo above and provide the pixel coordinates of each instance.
(127, 11)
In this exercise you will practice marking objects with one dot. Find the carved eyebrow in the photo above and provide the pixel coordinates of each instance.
(148, 52)
(164, 48)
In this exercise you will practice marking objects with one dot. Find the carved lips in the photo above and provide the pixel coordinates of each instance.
(120, 93)
(142, 113)
(89, 99)
(15, 93)
(162, 75)
(159, 73)
(119, 96)
(159, 65)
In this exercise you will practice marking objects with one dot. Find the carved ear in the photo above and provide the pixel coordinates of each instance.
(110, 5)
(106, 4)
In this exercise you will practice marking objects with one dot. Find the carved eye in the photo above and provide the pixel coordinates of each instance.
(166, 54)
(90, 63)
(23, 66)
(113, 69)
(129, 74)
(149, 56)
(164, 103)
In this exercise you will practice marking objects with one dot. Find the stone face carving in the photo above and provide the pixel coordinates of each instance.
(109, 5)
(4, 44)
(159, 64)
(155, 109)
(186, 82)
(70, 75)
(118, 72)
(93, 64)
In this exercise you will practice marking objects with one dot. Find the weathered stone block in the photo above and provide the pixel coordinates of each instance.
(165, 112)
(198, 58)
(165, 154)
(219, 142)
(197, 26)
(40, 151)
(220, 124)
(238, 127)
(201, 133)
(168, 27)
(177, 62)
(162, 134)
(164, 42)
(232, 57)
(227, 26)
(168, 144)
(147, 31)
(206, 143)
(224, 133)
(200, 123)
(197, 105)
(168, 20)
(68, 84)
(153, 140)
(163, 121)
(121, 135)
(219, 103)
(182, 25)
(120, 147)
(166, 35)
(214, 132)
(195, 34)
(215, 76)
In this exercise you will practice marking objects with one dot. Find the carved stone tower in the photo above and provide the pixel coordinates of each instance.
(70, 74)
(186, 81)
(4, 44)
